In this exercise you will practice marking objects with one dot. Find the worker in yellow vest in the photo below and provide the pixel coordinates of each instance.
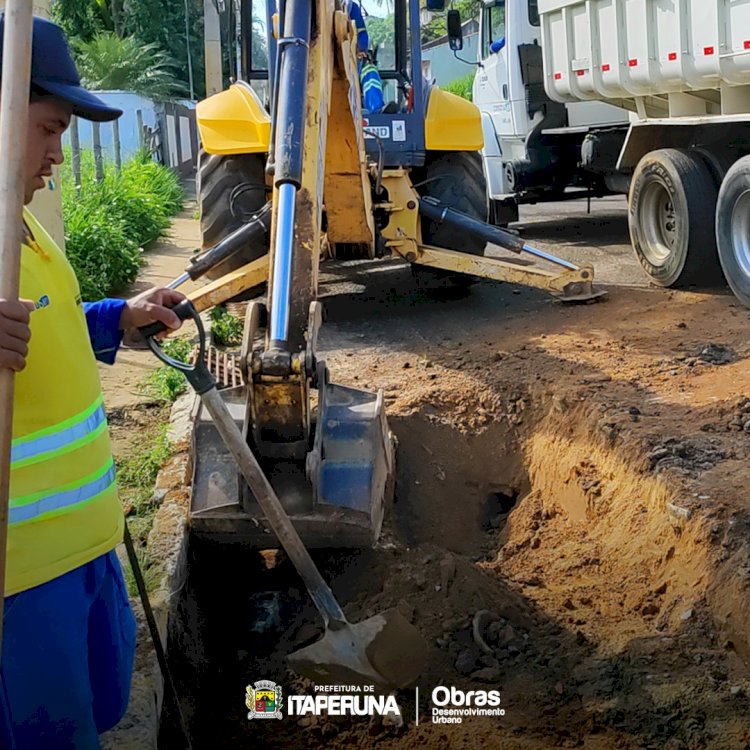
(68, 630)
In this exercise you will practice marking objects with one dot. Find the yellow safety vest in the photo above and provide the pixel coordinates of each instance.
(64, 509)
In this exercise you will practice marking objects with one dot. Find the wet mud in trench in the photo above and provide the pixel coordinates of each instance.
(538, 556)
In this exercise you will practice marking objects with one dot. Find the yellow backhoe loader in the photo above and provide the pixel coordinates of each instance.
(307, 174)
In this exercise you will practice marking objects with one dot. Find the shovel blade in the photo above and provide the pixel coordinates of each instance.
(386, 651)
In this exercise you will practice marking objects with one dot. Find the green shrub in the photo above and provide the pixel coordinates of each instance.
(226, 329)
(165, 383)
(461, 86)
(99, 249)
(107, 224)
(144, 174)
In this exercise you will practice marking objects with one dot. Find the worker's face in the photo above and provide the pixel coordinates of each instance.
(48, 120)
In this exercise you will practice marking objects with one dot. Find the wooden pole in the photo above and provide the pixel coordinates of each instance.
(75, 153)
(96, 139)
(189, 55)
(14, 114)
(139, 123)
(116, 143)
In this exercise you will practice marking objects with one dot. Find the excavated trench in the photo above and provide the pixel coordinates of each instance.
(535, 556)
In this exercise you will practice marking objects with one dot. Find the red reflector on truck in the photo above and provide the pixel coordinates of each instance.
(580, 73)
(672, 56)
(633, 63)
(747, 44)
(606, 68)
(708, 50)
(558, 76)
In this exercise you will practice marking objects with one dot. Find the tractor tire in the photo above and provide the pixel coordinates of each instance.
(733, 229)
(456, 179)
(230, 190)
(671, 214)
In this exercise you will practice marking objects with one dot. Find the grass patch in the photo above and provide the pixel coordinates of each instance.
(139, 469)
(165, 383)
(136, 476)
(226, 329)
(151, 573)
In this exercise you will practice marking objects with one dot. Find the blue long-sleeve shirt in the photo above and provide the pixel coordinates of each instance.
(355, 13)
(495, 47)
(103, 321)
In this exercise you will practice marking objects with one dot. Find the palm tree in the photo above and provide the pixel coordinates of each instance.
(109, 62)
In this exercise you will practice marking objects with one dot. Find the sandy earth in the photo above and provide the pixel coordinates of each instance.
(578, 474)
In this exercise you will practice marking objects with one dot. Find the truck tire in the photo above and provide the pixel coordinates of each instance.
(671, 212)
(733, 229)
(230, 189)
(456, 179)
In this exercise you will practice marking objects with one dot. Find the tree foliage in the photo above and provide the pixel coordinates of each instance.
(110, 62)
(149, 22)
(437, 27)
(379, 30)
(162, 22)
(80, 19)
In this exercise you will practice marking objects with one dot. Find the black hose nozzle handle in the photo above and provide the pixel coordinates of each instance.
(184, 310)
(197, 374)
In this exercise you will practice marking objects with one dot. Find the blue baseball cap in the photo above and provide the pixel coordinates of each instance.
(54, 72)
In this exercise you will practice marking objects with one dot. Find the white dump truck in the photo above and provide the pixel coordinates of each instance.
(645, 97)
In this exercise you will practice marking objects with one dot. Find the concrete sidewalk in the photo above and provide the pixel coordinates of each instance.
(122, 383)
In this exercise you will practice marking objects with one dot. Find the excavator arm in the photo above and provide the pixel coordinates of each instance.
(329, 454)
(326, 448)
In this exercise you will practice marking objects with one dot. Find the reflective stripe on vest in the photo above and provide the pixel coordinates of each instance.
(64, 510)
(35, 507)
(60, 438)
(370, 79)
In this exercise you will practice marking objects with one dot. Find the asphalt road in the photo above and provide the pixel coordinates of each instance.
(601, 237)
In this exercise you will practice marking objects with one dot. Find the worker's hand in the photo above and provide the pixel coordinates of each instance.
(151, 306)
(14, 333)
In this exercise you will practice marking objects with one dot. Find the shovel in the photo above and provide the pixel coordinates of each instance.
(385, 650)
(14, 113)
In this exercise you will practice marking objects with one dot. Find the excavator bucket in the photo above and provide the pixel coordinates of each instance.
(351, 464)
(336, 497)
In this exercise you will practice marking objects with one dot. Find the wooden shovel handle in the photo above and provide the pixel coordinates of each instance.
(14, 112)
(277, 517)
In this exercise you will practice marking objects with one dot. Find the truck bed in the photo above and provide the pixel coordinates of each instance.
(622, 49)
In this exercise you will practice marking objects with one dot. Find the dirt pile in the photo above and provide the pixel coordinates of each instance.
(570, 526)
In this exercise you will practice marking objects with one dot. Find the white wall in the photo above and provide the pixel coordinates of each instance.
(445, 67)
(129, 142)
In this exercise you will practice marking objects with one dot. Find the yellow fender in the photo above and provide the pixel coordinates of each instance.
(234, 122)
(452, 123)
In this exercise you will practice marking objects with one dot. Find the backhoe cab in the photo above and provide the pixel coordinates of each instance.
(292, 170)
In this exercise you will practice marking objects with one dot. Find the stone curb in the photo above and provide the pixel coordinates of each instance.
(167, 544)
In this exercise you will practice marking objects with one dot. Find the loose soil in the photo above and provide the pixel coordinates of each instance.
(574, 475)
(571, 479)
